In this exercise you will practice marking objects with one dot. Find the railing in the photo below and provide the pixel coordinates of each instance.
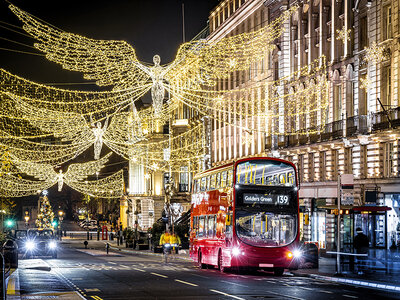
(356, 125)
(183, 187)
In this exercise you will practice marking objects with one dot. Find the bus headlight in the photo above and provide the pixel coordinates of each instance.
(289, 255)
(235, 251)
(30, 245)
(297, 253)
(52, 245)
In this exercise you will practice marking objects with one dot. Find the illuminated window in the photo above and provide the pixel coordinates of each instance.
(218, 183)
(223, 179)
(387, 22)
(212, 183)
(387, 86)
(388, 160)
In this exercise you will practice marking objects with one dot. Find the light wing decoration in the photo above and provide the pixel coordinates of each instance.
(14, 186)
(78, 172)
(110, 63)
(109, 187)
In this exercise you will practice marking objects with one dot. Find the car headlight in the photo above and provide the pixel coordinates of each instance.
(30, 245)
(235, 251)
(297, 253)
(52, 245)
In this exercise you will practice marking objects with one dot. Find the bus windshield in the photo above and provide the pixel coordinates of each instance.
(265, 229)
(265, 172)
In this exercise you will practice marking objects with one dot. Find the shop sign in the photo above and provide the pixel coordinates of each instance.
(347, 199)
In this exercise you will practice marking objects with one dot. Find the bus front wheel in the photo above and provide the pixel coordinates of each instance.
(278, 271)
(200, 263)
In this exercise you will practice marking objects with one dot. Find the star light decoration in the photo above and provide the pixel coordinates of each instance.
(365, 83)
(343, 34)
(375, 53)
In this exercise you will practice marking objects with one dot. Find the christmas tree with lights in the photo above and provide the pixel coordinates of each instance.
(45, 216)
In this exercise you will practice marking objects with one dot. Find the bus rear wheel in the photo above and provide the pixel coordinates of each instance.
(221, 268)
(278, 271)
(200, 263)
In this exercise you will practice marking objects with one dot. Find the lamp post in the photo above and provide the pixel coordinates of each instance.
(60, 219)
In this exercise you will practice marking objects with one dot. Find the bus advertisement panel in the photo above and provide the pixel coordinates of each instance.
(246, 214)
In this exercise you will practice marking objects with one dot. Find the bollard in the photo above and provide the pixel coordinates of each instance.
(86, 244)
(87, 234)
(3, 278)
(91, 237)
(107, 247)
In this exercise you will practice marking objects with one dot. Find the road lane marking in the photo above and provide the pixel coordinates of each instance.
(140, 270)
(163, 276)
(328, 292)
(199, 276)
(228, 295)
(185, 282)
(111, 262)
(350, 296)
(238, 284)
(125, 266)
(305, 288)
(97, 298)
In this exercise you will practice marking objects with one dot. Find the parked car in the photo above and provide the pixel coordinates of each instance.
(40, 242)
(20, 236)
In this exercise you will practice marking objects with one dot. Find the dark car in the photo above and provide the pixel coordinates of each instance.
(20, 236)
(40, 242)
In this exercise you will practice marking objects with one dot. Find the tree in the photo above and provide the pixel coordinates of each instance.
(45, 216)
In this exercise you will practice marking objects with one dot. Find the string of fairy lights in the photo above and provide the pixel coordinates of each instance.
(42, 127)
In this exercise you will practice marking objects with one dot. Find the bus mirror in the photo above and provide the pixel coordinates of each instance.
(228, 220)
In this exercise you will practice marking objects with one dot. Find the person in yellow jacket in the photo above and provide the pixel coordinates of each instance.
(176, 242)
(165, 242)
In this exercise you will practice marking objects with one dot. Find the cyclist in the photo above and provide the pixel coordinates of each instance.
(165, 242)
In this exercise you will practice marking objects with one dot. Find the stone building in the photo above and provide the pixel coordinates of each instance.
(360, 134)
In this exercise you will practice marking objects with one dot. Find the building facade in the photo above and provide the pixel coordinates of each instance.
(359, 40)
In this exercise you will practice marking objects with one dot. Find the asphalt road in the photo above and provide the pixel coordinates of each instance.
(119, 276)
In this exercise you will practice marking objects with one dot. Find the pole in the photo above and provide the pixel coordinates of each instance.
(183, 22)
(338, 226)
(3, 278)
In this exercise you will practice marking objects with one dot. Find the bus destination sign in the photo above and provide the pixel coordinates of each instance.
(274, 199)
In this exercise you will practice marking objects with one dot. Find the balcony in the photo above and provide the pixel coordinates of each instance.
(380, 121)
(356, 125)
(332, 130)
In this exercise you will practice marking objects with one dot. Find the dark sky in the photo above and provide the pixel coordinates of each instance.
(150, 26)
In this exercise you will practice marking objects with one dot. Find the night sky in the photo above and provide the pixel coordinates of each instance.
(150, 26)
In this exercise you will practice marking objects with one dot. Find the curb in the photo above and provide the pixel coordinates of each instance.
(353, 282)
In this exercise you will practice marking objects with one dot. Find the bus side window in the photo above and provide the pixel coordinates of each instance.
(197, 185)
(218, 183)
(230, 177)
(201, 227)
(228, 229)
(223, 179)
(210, 226)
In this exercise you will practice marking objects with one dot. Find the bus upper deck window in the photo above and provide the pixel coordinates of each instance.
(218, 183)
(223, 179)
(208, 183)
(230, 177)
(212, 183)
(203, 184)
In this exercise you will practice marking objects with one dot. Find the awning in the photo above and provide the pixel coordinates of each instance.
(371, 208)
(364, 208)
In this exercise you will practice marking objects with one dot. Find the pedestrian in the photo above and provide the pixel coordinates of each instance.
(176, 242)
(107, 247)
(361, 245)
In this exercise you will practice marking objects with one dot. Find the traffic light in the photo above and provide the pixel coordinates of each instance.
(9, 223)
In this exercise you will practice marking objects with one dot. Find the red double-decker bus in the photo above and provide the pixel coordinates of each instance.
(246, 214)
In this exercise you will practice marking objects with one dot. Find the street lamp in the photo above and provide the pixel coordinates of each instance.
(26, 219)
(60, 218)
